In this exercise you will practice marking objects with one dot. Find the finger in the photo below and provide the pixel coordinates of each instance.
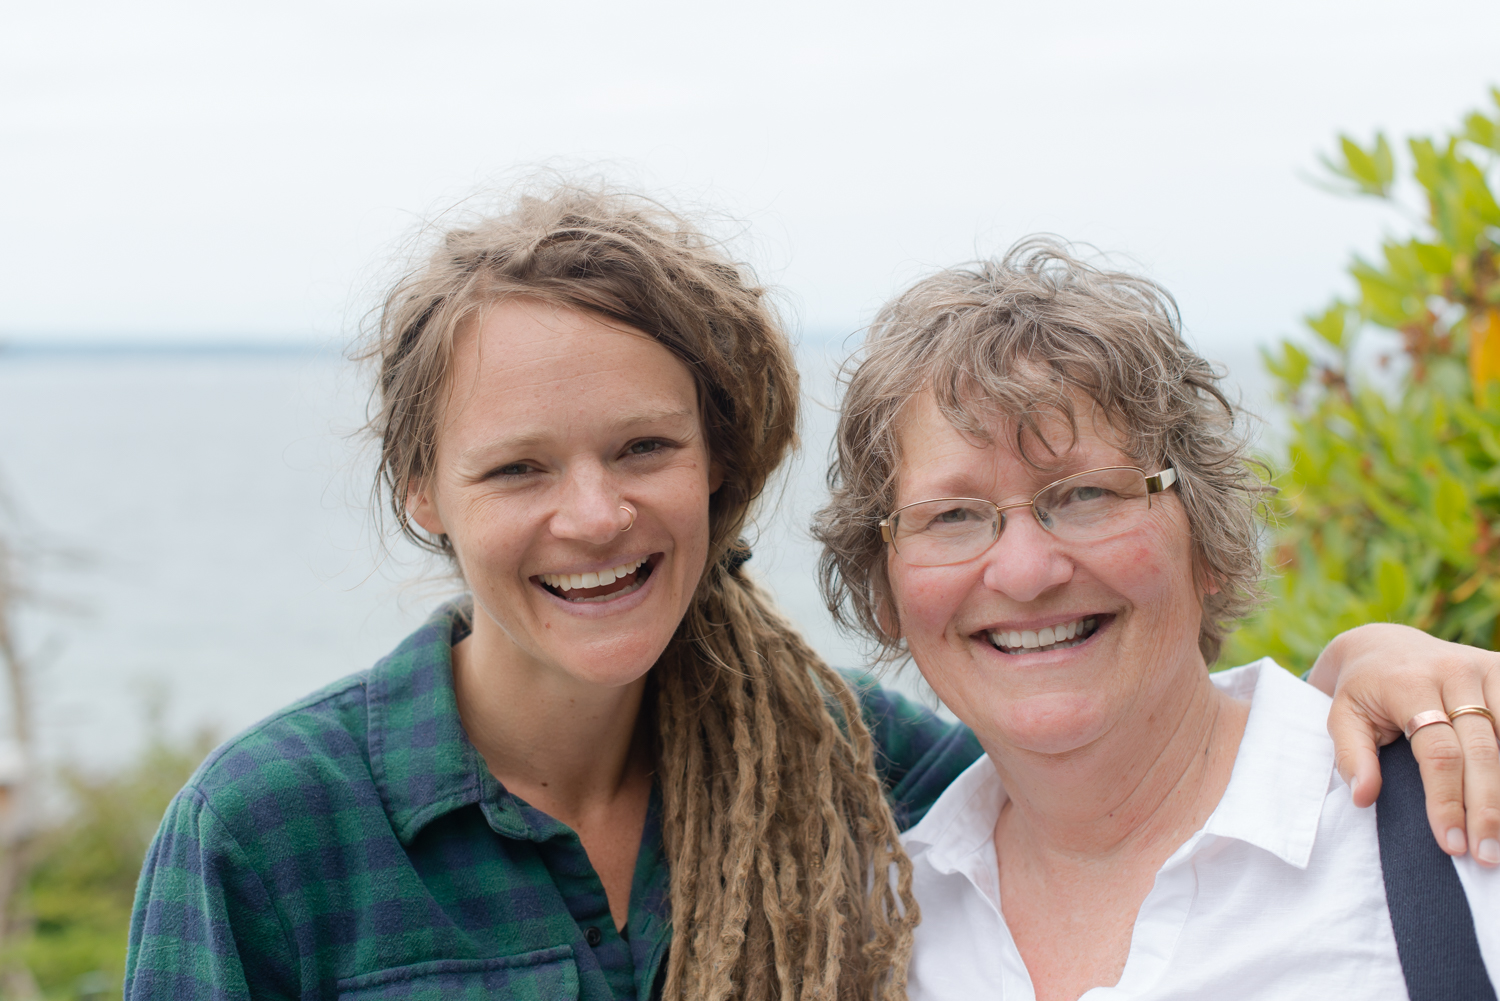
(1482, 775)
(1441, 759)
(1481, 785)
(1356, 744)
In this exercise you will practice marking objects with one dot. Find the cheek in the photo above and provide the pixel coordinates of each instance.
(926, 600)
(1156, 572)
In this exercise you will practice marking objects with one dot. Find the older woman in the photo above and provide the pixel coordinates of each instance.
(1066, 532)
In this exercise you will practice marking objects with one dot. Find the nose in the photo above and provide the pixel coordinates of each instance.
(588, 508)
(1027, 560)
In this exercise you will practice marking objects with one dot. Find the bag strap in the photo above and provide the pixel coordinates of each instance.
(1429, 912)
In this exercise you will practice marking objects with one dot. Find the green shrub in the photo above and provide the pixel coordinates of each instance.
(82, 882)
(1390, 492)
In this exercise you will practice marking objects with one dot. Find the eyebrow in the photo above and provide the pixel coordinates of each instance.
(540, 436)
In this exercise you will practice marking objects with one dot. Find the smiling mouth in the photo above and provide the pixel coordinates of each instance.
(602, 586)
(1058, 637)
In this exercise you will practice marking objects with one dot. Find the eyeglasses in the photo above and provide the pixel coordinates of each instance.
(1094, 504)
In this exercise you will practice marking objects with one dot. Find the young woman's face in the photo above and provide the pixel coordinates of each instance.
(573, 481)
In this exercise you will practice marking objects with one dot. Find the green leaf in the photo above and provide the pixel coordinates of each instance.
(1434, 258)
(1329, 325)
(1290, 368)
(1372, 170)
(1394, 585)
(1482, 131)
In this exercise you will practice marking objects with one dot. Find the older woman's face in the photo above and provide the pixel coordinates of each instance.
(1137, 589)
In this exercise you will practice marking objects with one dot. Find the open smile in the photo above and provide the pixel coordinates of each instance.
(599, 586)
(1055, 637)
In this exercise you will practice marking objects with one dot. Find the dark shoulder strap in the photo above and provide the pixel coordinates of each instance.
(1434, 927)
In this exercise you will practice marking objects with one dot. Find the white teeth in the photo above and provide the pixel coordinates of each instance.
(1049, 636)
(569, 581)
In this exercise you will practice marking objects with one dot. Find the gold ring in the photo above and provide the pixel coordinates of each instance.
(1472, 711)
(1428, 718)
(632, 518)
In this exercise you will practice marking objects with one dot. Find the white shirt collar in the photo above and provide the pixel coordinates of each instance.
(1284, 766)
(1274, 798)
(962, 820)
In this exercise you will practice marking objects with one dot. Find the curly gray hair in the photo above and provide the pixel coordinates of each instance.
(1005, 343)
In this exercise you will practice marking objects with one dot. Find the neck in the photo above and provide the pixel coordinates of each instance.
(1136, 793)
(562, 744)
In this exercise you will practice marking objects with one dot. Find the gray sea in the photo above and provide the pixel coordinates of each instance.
(201, 544)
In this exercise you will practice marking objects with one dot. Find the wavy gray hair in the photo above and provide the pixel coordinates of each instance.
(1007, 343)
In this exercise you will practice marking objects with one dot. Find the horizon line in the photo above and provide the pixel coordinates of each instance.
(13, 346)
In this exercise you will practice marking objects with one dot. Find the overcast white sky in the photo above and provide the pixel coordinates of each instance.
(236, 171)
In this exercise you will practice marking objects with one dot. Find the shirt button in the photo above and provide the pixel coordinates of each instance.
(593, 936)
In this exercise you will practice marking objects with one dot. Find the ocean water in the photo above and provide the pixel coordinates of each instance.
(204, 548)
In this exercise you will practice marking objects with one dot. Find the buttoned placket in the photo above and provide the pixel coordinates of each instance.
(640, 947)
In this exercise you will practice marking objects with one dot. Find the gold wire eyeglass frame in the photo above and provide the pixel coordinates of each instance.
(1155, 484)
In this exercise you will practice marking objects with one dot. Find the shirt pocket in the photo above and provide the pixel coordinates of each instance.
(543, 975)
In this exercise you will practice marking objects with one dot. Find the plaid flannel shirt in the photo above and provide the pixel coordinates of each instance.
(355, 846)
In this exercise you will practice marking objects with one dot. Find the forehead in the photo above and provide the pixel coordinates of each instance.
(938, 459)
(541, 366)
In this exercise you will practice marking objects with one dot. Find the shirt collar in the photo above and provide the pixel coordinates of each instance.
(420, 758)
(1284, 766)
(961, 821)
(1274, 799)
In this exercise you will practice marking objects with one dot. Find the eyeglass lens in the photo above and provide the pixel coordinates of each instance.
(1091, 505)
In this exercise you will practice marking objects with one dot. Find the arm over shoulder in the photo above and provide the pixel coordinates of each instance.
(205, 925)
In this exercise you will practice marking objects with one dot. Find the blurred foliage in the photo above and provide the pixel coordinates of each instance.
(84, 870)
(1390, 497)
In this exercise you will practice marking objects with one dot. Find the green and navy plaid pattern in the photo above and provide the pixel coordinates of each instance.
(355, 846)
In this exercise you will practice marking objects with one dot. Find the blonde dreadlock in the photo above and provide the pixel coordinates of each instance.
(776, 828)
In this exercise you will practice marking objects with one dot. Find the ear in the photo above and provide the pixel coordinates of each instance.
(887, 620)
(422, 509)
(1208, 581)
(715, 477)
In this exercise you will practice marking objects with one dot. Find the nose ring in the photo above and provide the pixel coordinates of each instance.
(630, 512)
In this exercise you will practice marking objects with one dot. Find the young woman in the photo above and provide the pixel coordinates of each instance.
(614, 744)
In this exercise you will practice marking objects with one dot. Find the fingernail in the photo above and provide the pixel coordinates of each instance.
(1489, 851)
(1456, 841)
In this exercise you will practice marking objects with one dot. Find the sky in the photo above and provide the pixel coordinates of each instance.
(244, 172)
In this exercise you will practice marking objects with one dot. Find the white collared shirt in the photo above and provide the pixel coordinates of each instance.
(1280, 895)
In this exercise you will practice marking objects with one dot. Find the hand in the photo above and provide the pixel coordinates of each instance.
(1382, 675)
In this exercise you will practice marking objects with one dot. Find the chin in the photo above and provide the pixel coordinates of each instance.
(613, 665)
(1054, 723)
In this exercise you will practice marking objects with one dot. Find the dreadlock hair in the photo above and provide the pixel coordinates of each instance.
(776, 827)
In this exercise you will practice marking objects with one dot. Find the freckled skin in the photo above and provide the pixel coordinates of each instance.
(574, 395)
